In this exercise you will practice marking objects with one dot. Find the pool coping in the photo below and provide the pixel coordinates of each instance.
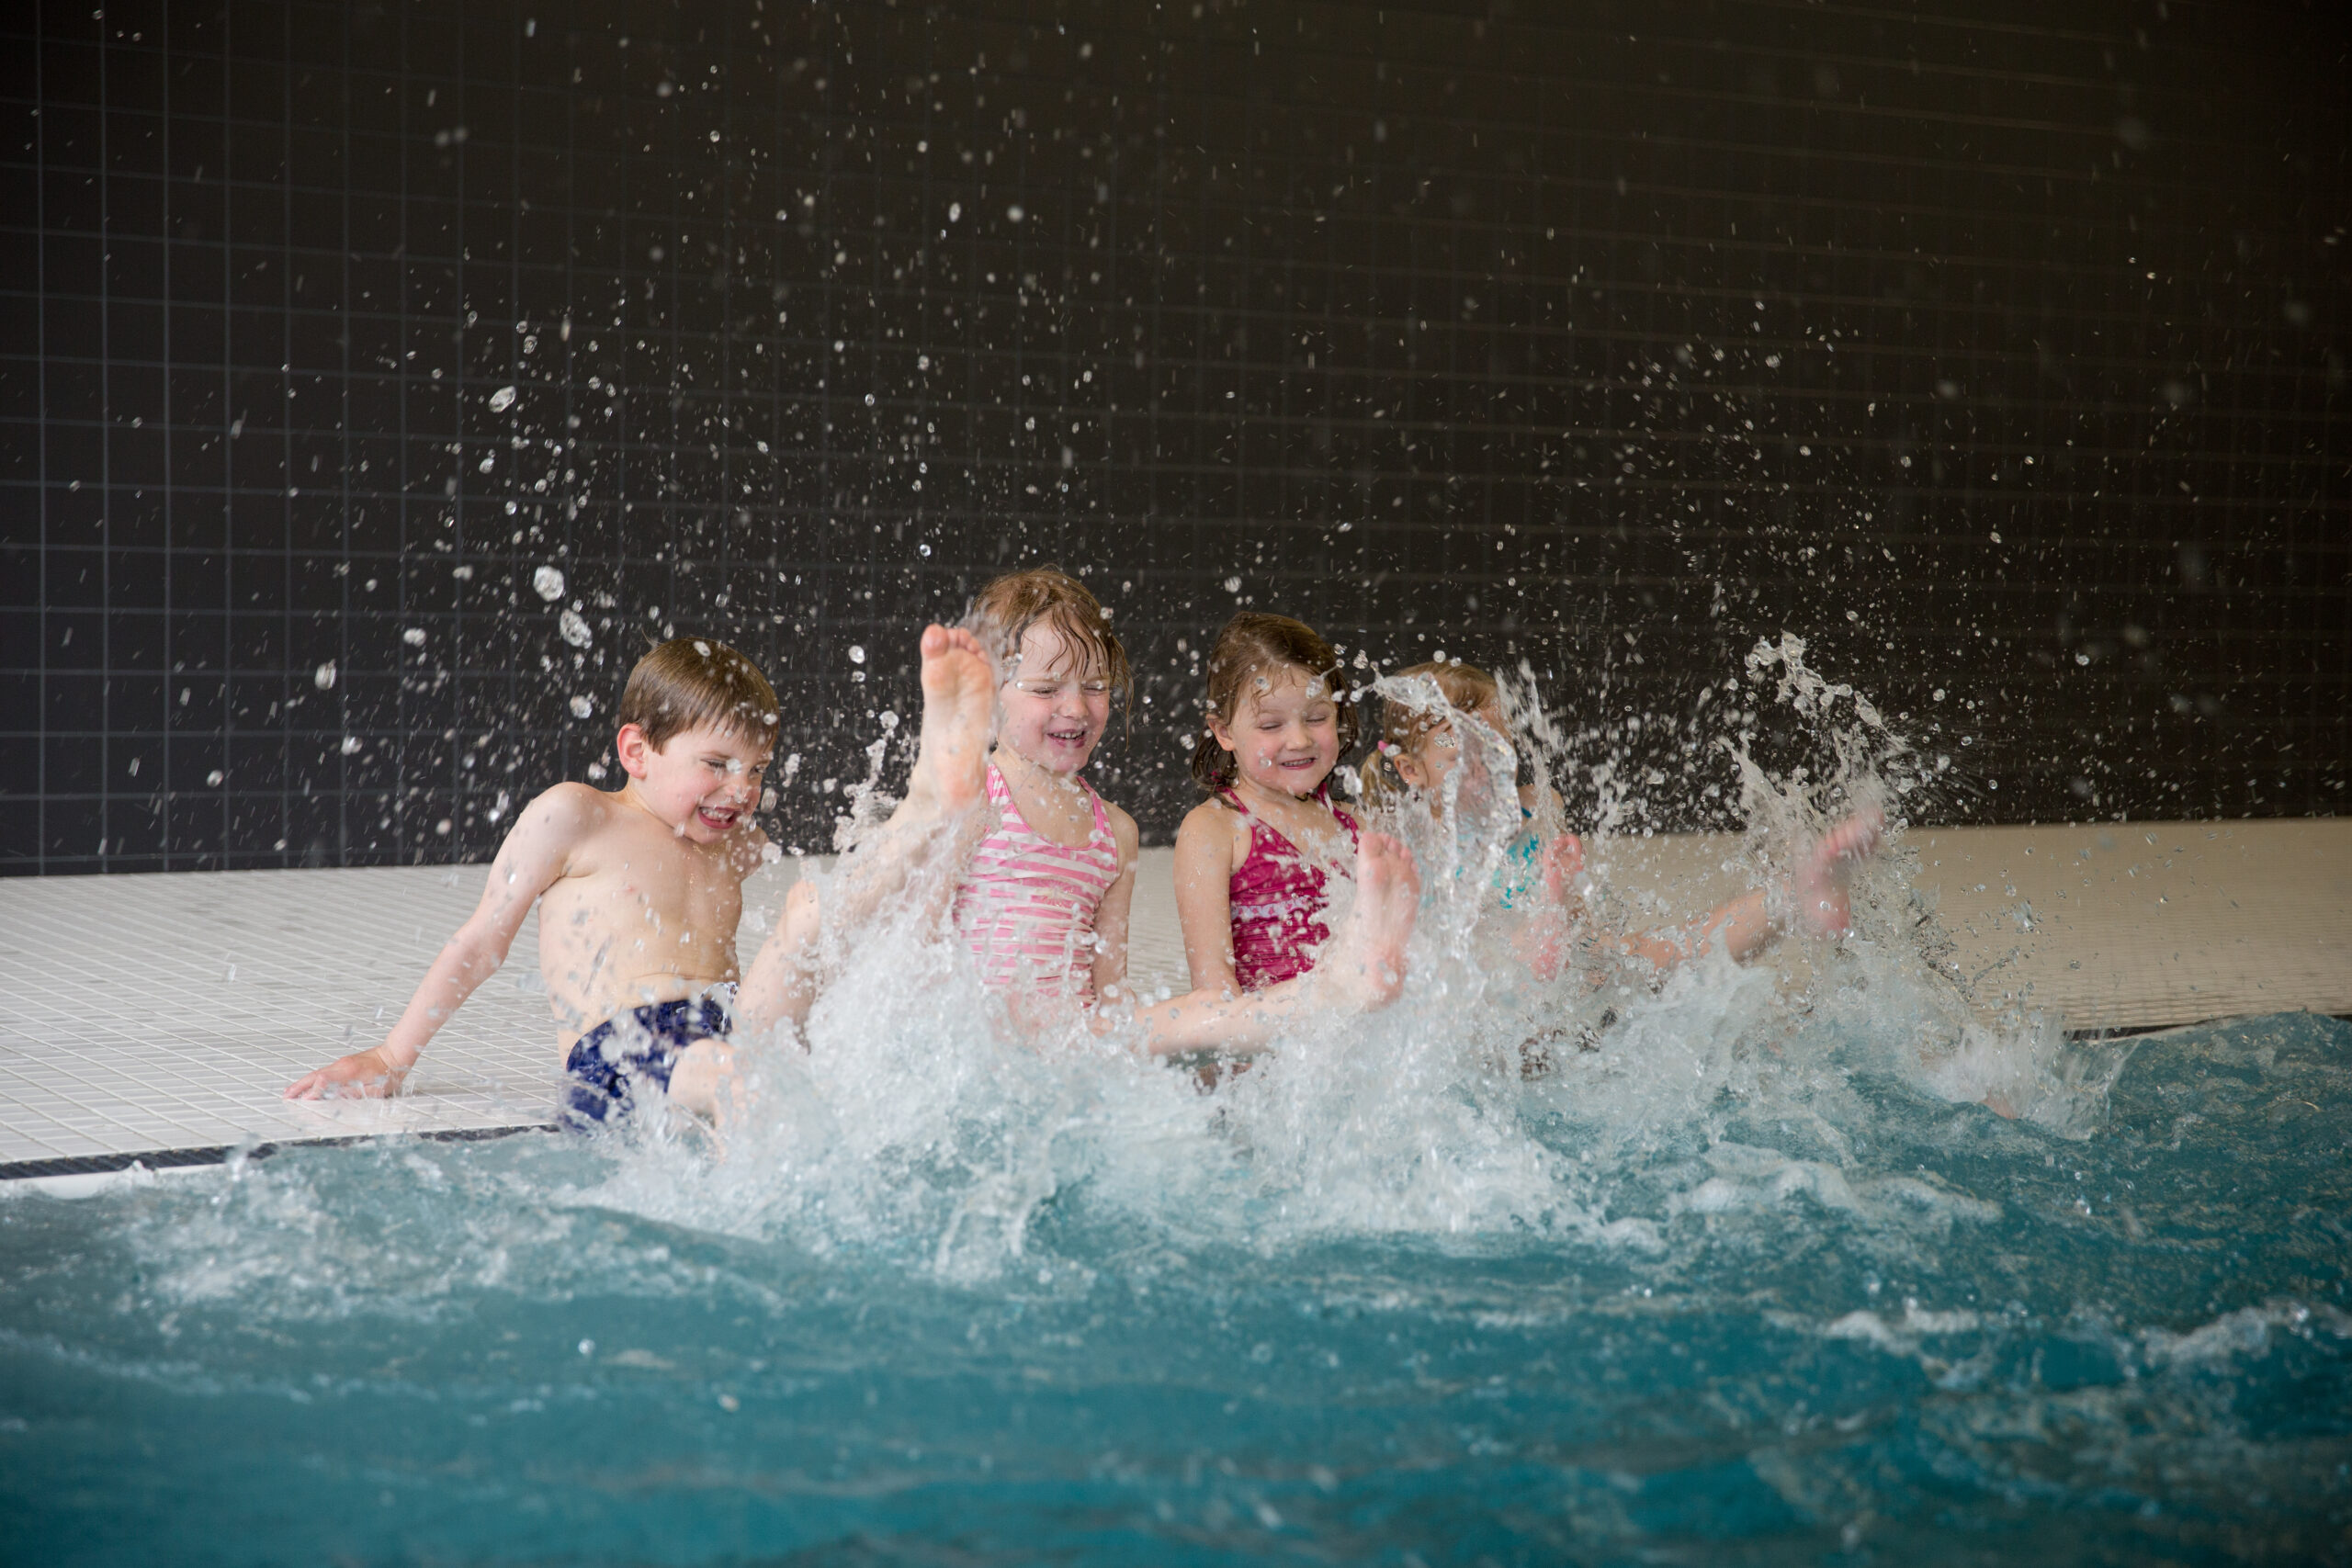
(110, 1163)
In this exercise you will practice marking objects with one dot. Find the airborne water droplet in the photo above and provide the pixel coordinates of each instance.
(549, 581)
(575, 630)
(501, 400)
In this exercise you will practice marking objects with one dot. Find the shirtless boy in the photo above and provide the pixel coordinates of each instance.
(639, 893)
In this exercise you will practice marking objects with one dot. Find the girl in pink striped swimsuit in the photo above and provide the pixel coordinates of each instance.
(1254, 862)
(1043, 902)
(1030, 909)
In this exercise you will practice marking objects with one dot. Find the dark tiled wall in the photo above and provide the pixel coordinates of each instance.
(1999, 355)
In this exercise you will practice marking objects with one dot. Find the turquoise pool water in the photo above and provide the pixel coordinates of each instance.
(1809, 1311)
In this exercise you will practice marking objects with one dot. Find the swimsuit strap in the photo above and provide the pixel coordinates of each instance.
(1322, 797)
(1102, 817)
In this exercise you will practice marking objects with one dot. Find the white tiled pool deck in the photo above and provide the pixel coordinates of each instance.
(159, 1017)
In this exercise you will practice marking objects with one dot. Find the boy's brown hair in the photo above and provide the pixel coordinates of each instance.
(1404, 727)
(1003, 612)
(693, 680)
(1255, 643)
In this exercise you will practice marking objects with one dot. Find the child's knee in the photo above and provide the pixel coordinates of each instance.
(699, 1076)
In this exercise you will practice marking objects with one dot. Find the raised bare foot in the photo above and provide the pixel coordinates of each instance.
(959, 711)
(1366, 966)
(1823, 906)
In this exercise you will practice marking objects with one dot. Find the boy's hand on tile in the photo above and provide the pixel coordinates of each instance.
(363, 1075)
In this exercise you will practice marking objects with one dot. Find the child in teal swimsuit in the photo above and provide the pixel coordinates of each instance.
(1422, 747)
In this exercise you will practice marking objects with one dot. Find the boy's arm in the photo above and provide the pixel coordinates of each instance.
(1111, 916)
(528, 863)
(1205, 898)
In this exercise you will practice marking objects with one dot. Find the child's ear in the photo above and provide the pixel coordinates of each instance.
(1218, 731)
(633, 749)
(1410, 769)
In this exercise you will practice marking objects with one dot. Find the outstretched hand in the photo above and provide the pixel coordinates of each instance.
(363, 1075)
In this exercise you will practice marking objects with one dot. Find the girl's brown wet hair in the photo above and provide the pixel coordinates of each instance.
(692, 680)
(1003, 612)
(1253, 644)
(1404, 727)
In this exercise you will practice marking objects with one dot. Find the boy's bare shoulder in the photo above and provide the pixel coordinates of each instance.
(564, 819)
(569, 802)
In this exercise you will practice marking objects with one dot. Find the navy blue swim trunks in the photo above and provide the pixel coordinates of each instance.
(640, 1046)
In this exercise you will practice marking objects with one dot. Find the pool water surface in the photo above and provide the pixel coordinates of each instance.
(1817, 1314)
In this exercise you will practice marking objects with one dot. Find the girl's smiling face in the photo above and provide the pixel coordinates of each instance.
(1055, 702)
(1284, 733)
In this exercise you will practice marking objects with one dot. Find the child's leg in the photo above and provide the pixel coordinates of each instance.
(703, 1080)
(950, 778)
(1363, 970)
(1745, 926)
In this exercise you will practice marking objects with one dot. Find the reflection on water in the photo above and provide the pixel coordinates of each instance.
(1746, 1275)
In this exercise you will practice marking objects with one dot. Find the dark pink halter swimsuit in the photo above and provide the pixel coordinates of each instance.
(1278, 901)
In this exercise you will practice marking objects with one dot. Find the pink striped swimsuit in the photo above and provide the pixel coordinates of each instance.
(1026, 905)
(1278, 902)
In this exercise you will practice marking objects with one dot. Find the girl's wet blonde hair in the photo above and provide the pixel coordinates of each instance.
(1254, 643)
(1405, 728)
(1003, 612)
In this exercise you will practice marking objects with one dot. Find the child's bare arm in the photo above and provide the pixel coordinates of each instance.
(1111, 916)
(533, 856)
(1361, 969)
(1205, 898)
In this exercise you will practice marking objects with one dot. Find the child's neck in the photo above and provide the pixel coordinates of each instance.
(1256, 794)
(632, 798)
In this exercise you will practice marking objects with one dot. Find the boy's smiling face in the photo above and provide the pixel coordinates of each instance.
(702, 782)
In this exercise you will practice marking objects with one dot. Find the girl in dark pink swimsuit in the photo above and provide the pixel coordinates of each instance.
(1277, 896)
(1254, 862)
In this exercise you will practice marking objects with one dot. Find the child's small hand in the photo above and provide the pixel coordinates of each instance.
(1542, 939)
(363, 1075)
(1563, 861)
